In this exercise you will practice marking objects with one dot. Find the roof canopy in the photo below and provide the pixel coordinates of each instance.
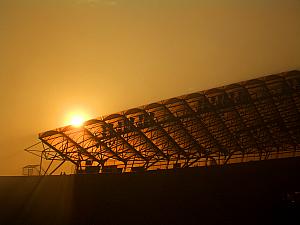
(252, 120)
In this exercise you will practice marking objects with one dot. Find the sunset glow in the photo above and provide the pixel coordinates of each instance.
(77, 120)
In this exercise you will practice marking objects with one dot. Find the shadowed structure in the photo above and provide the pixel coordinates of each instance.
(258, 192)
(247, 121)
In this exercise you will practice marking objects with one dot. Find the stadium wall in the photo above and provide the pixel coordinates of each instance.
(249, 193)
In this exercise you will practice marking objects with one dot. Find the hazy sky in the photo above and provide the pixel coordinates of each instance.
(101, 56)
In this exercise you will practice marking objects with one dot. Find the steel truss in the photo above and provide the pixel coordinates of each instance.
(257, 119)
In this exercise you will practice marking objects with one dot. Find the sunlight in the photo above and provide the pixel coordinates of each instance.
(76, 119)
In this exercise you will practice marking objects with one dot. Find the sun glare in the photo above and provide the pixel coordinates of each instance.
(76, 120)
(76, 117)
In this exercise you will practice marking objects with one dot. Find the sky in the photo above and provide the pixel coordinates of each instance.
(98, 57)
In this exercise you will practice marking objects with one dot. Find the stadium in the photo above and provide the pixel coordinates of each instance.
(247, 121)
(228, 155)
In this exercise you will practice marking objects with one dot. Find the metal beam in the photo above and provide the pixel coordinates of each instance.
(183, 128)
(146, 138)
(81, 148)
(133, 150)
(107, 149)
(223, 125)
(59, 152)
(179, 150)
(261, 120)
(203, 126)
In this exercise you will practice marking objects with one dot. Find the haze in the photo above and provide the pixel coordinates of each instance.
(101, 57)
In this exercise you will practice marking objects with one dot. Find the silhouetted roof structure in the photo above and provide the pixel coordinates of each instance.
(257, 119)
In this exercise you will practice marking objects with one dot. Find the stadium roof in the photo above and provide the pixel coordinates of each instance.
(252, 120)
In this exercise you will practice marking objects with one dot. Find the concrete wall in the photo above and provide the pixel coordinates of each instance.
(250, 193)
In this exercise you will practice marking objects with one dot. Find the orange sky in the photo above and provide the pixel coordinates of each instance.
(103, 56)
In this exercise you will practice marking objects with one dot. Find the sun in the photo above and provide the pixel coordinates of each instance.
(77, 120)
(76, 117)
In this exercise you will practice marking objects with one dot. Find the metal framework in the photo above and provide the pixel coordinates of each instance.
(257, 119)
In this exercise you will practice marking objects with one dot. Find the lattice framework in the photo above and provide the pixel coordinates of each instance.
(257, 119)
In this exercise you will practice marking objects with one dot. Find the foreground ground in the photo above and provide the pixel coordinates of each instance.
(251, 193)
